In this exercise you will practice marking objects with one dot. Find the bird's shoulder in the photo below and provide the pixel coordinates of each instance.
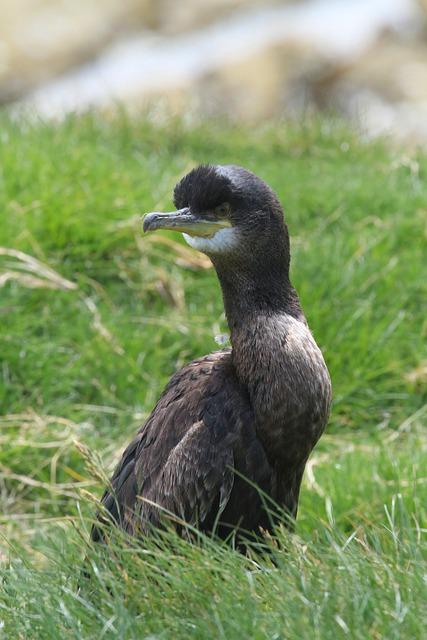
(208, 372)
(205, 392)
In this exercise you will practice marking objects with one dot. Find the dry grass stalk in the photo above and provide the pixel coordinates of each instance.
(44, 275)
(93, 463)
(100, 328)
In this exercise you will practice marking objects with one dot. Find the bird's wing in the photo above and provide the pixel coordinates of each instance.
(197, 477)
(182, 459)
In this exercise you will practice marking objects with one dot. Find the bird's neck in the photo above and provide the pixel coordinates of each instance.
(264, 315)
(252, 291)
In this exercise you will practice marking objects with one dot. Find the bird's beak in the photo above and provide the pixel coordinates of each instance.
(183, 220)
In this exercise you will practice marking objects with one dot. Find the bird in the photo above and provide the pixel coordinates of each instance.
(232, 431)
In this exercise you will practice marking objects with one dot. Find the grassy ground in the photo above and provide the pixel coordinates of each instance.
(93, 321)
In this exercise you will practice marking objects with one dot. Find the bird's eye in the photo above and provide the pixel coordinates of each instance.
(222, 209)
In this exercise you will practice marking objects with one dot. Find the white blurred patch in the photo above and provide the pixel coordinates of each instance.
(222, 339)
(222, 241)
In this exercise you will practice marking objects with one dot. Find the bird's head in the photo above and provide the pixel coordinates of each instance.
(226, 212)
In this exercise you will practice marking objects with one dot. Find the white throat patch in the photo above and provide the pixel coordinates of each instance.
(222, 241)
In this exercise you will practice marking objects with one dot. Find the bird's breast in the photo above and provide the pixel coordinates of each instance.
(288, 382)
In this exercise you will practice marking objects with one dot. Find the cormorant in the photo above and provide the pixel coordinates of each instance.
(242, 419)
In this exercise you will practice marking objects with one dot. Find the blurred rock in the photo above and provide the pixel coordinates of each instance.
(41, 38)
(170, 16)
(385, 88)
(366, 59)
(263, 85)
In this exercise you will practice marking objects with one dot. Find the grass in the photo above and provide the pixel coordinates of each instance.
(93, 321)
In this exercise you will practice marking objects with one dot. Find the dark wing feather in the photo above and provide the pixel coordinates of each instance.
(184, 456)
(197, 475)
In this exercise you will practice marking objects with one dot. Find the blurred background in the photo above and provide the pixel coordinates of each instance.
(247, 59)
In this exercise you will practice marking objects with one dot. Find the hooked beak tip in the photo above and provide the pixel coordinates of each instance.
(152, 221)
(148, 222)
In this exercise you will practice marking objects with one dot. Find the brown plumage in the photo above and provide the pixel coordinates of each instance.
(242, 419)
